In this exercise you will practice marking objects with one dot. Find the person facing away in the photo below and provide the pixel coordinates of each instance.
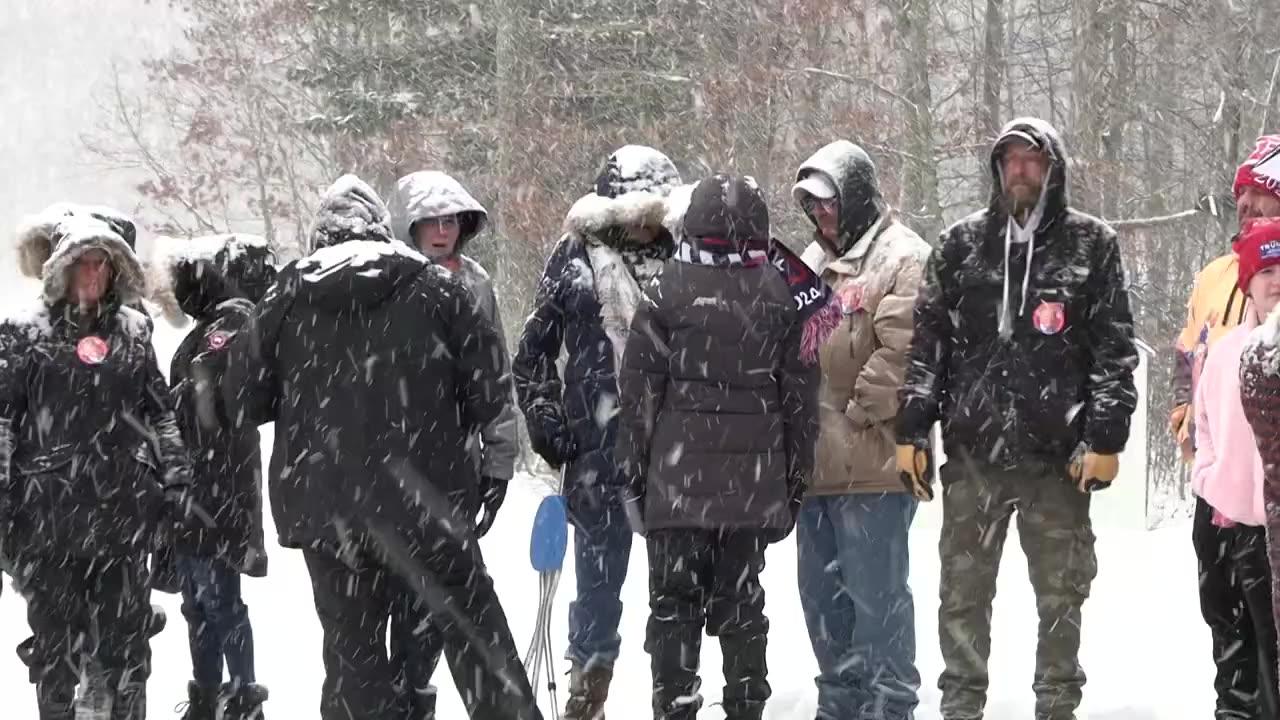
(434, 213)
(215, 280)
(377, 369)
(92, 466)
(614, 244)
(718, 420)
(1023, 348)
(853, 561)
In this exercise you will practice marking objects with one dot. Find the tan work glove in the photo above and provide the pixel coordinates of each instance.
(915, 470)
(1092, 471)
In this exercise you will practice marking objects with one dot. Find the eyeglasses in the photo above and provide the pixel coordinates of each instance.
(830, 204)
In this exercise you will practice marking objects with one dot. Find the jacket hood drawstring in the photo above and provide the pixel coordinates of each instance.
(1021, 234)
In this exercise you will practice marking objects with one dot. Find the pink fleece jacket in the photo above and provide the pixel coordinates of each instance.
(1228, 469)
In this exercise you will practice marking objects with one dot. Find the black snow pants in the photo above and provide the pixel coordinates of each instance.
(91, 622)
(711, 579)
(360, 597)
(1235, 599)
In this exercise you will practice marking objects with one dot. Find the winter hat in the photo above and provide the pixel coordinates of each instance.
(34, 236)
(350, 210)
(849, 171)
(1257, 247)
(1245, 176)
(817, 185)
(636, 168)
(728, 208)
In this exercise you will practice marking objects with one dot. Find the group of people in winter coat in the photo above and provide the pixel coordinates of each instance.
(1225, 422)
(716, 393)
(719, 392)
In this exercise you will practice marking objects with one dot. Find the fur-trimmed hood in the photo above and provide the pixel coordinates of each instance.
(33, 238)
(74, 236)
(430, 194)
(193, 276)
(593, 214)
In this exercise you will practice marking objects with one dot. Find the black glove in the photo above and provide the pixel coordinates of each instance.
(492, 492)
(164, 571)
(795, 498)
(550, 437)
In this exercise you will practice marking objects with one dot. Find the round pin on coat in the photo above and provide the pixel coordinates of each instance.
(217, 340)
(92, 350)
(1050, 318)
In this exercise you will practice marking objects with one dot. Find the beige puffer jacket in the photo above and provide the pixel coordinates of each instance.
(864, 360)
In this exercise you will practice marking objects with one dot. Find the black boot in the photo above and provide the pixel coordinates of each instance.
(745, 685)
(588, 690)
(202, 703)
(130, 701)
(243, 702)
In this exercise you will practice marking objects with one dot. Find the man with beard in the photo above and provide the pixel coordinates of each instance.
(1217, 305)
(377, 369)
(1024, 350)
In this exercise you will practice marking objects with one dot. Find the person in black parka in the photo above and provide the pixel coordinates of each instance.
(216, 280)
(614, 243)
(377, 369)
(717, 424)
(84, 421)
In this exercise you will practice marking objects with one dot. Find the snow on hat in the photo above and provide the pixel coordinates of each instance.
(34, 235)
(728, 208)
(1257, 247)
(637, 168)
(350, 210)
(815, 184)
(1245, 175)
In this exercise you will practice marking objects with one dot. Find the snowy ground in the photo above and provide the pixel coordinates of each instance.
(1146, 650)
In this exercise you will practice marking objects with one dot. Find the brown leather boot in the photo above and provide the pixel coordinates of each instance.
(588, 689)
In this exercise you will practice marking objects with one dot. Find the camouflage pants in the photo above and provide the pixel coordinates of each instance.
(978, 501)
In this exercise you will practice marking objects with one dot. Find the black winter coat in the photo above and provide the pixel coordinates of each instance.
(376, 368)
(719, 414)
(226, 460)
(85, 415)
(1064, 375)
(569, 314)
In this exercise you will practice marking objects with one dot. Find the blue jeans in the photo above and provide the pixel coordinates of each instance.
(852, 567)
(601, 549)
(217, 622)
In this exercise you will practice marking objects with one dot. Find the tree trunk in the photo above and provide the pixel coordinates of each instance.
(920, 176)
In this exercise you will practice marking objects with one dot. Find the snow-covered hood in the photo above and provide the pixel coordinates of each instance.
(350, 210)
(431, 194)
(192, 276)
(1047, 138)
(853, 175)
(356, 273)
(76, 235)
(33, 238)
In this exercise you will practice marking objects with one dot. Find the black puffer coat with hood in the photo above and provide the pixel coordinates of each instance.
(1060, 370)
(85, 416)
(216, 280)
(376, 368)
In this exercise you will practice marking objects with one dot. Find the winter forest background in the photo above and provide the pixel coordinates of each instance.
(215, 115)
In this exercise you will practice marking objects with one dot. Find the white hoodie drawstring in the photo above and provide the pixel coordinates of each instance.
(1013, 232)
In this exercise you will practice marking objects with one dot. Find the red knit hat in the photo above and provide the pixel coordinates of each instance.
(1245, 175)
(1257, 246)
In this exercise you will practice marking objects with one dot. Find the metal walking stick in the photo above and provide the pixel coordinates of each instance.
(546, 552)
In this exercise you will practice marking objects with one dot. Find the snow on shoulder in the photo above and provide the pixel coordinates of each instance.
(1263, 345)
(353, 253)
